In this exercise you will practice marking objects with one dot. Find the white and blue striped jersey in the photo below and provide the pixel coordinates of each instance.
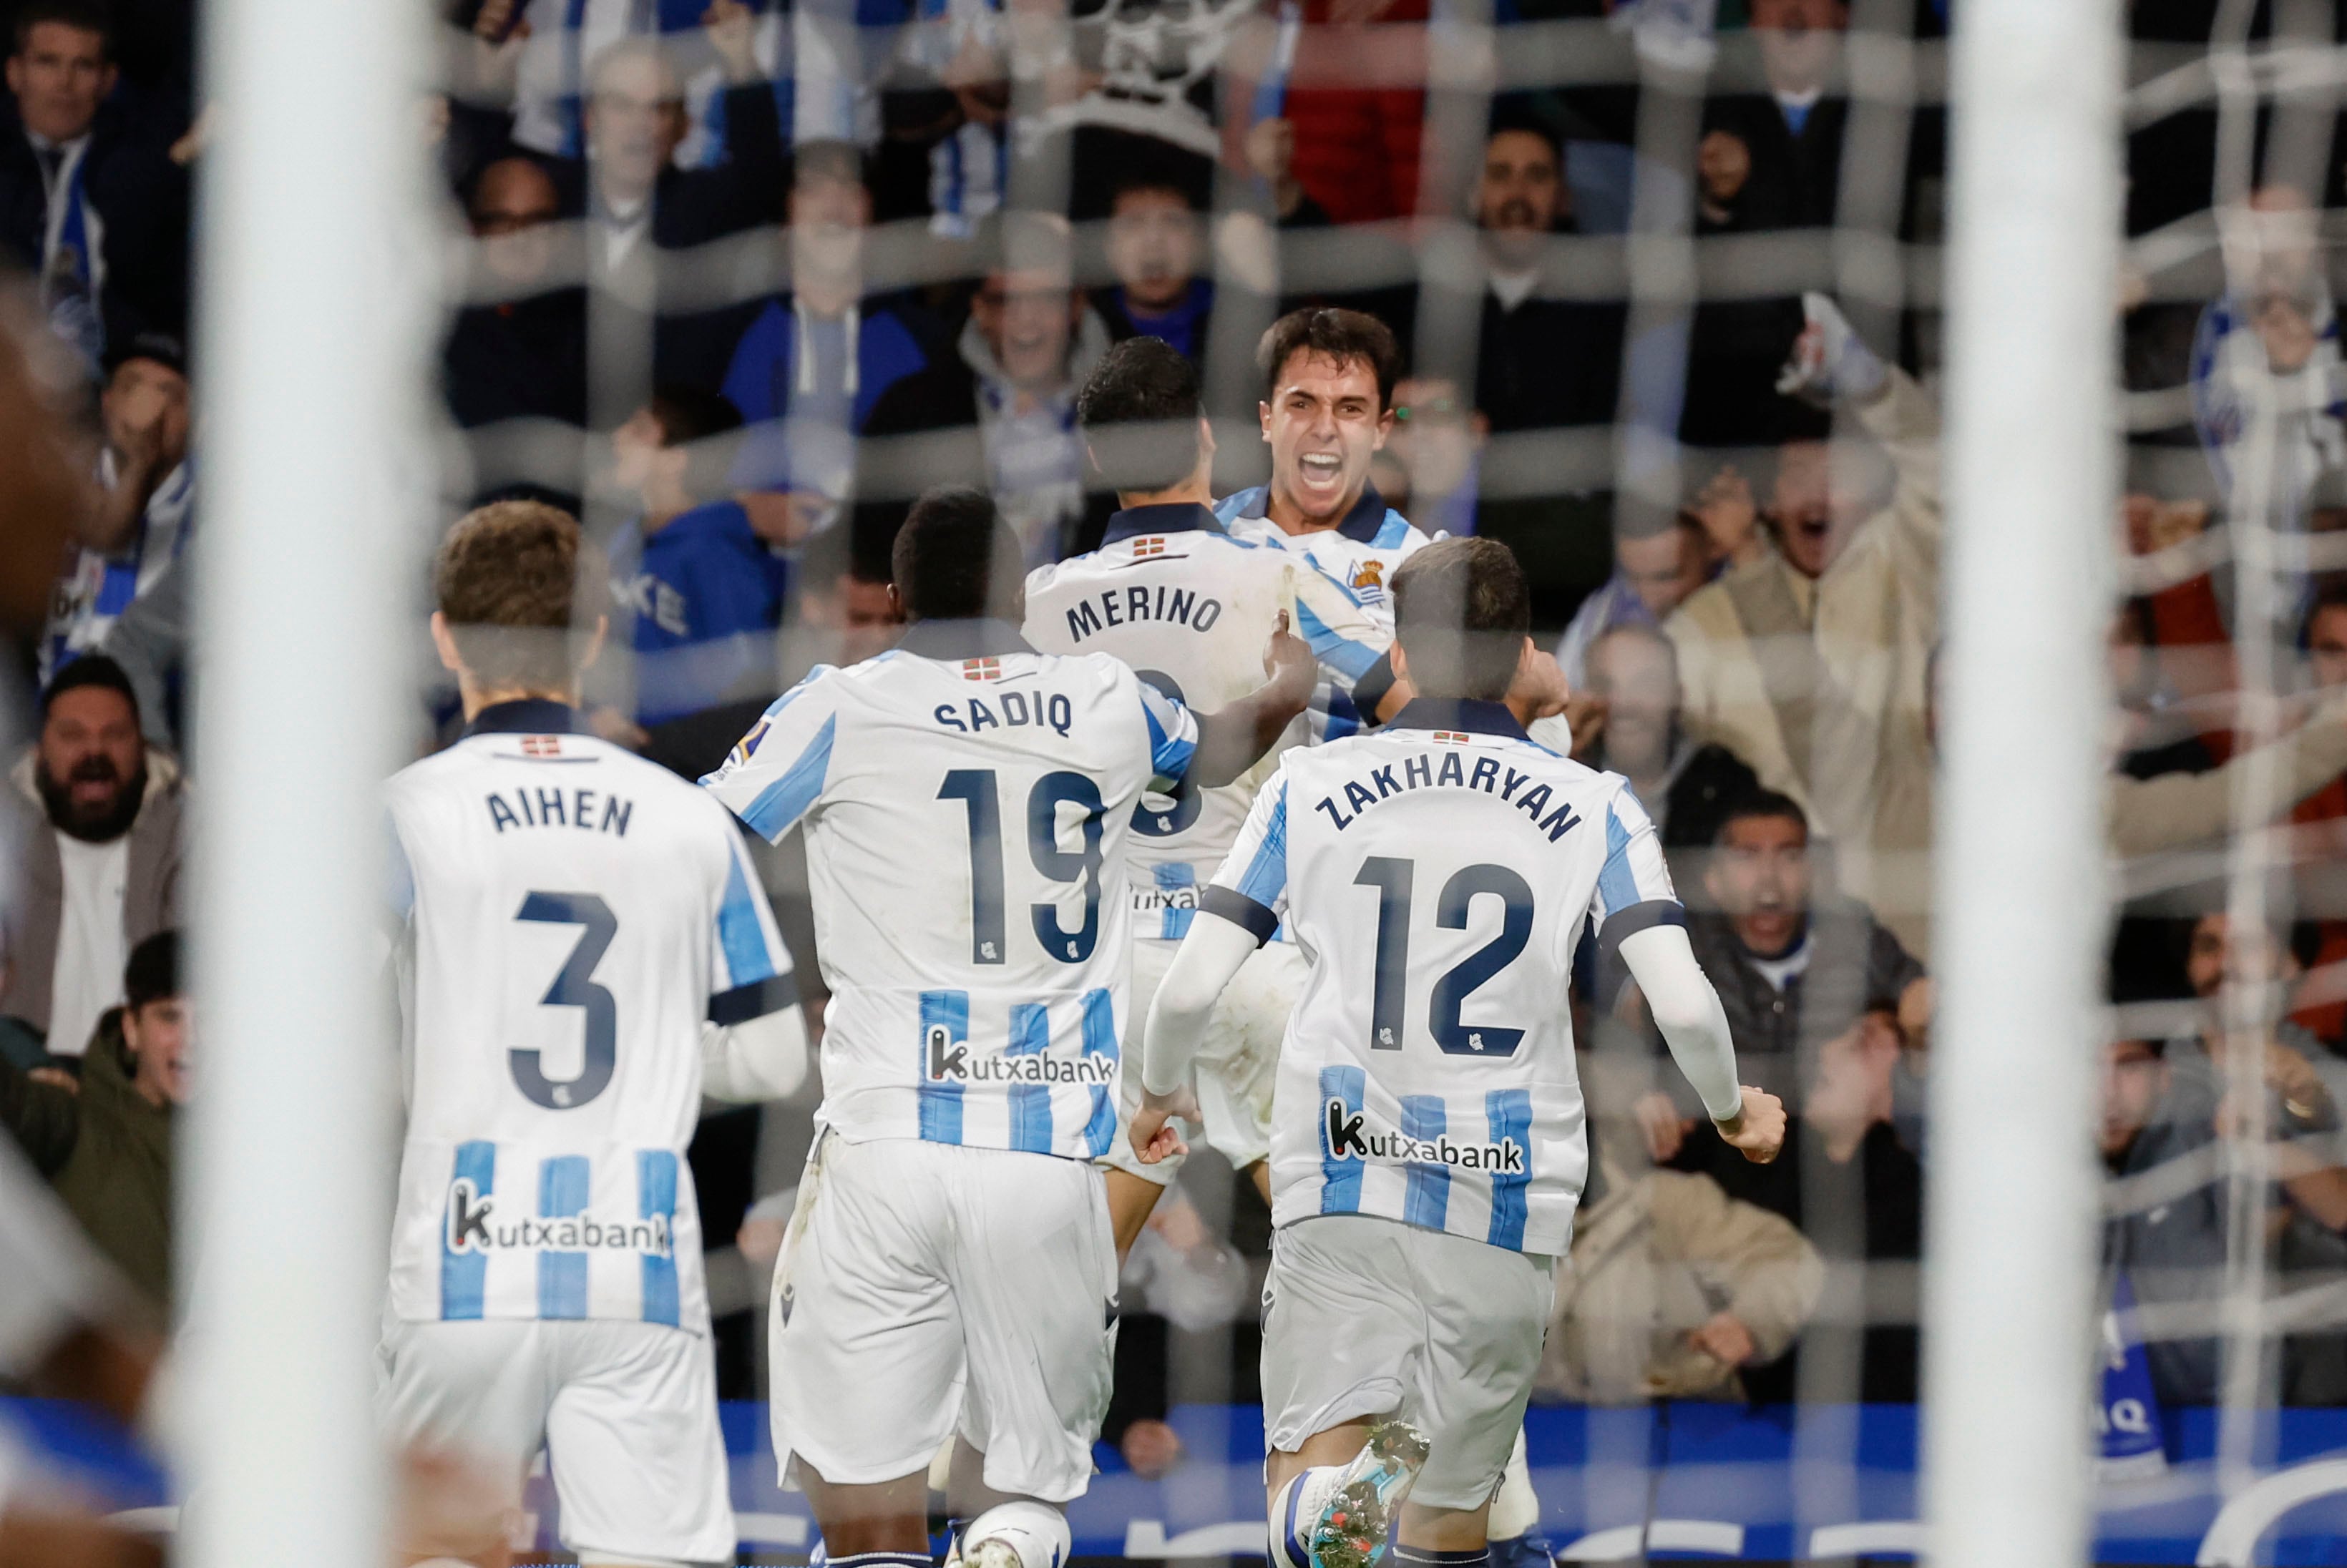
(1192, 609)
(1437, 876)
(573, 914)
(1361, 552)
(966, 801)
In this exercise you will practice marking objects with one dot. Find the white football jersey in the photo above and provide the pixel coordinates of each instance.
(1360, 553)
(966, 802)
(573, 914)
(1192, 609)
(1437, 876)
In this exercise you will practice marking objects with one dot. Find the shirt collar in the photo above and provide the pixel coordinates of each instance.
(1475, 717)
(963, 639)
(1362, 525)
(524, 716)
(1164, 517)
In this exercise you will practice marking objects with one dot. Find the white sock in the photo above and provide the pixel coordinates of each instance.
(1037, 1532)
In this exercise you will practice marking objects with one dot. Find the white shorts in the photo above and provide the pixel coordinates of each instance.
(927, 1288)
(627, 1413)
(1237, 1063)
(1369, 1317)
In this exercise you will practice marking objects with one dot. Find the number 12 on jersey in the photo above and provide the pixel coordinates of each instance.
(1394, 879)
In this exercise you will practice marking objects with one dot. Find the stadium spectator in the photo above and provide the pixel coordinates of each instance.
(1180, 1277)
(517, 349)
(1685, 785)
(1357, 118)
(697, 593)
(95, 212)
(1001, 413)
(1658, 561)
(104, 1137)
(1793, 967)
(142, 511)
(1810, 660)
(844, 614)
(1772, 159)
(2273, 335)
(2170, 1246)
(1430, 470)
(809, 370)
(1156, 244)
(1673, 1288)
(640, 208)
(93, 828)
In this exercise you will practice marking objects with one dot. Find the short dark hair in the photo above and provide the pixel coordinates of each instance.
(954, 558)
(1761, 803)
(2329, 594)
(509, 578)
(90, 670)
(82, 15)
(1138, 410)
(1507, 115)
(827, 158)
(1333, 334)
(696, 418)
(152, 974)
(1461, 612)
(1151, 178)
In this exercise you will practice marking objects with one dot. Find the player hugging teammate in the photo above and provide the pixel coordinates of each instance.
(1259, 775)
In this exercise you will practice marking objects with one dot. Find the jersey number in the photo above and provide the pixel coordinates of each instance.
(1393, 878)
(976, 790)
(574, 986)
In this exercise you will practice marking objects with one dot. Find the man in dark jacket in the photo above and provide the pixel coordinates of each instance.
(99, 216)
(104, 1140)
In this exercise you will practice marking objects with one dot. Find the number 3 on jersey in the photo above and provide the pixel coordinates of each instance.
(574, 986)
(1393, 878)
(981, 795)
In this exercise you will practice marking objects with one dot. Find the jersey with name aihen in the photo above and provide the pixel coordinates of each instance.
(574, 913)
(966, 801)
(1439, 875)
(1192, 610)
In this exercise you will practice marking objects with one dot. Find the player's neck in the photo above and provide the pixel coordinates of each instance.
(477, 699)
(1189, 493)
(1291, 518)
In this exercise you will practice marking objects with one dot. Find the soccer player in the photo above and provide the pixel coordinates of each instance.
(950, 1271)
(1328, 381)
(1172, 595)
(1426, 1144)
(586, 952)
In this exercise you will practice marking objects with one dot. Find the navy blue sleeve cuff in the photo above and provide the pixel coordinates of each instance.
(1622, 925)
(754, 999)
(1240, 910)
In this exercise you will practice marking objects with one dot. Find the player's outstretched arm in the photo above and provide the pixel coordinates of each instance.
(1233, 737)
(1207, 959)
(1694, 1025)
(756, 1059)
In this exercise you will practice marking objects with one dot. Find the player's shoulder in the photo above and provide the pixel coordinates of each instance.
(1398, 535)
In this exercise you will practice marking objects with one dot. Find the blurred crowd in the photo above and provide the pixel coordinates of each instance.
(735, 279)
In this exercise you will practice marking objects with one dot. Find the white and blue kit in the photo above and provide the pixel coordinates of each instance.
(966, 803)
(1428, 1145)
(1174, 594)
(575, 922)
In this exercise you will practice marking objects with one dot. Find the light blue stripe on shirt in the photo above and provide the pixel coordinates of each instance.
(1425, 1199)
(1351, 659)
(464, 1274)
(656, 1199)
(562, 1183)
(1617, 885)
(1030, 1103)
(786, 799)
(944, 1025)
(1266, 874)
(740, 936)
(1340, 1178)
(1100, 1040)
(1509, 1113)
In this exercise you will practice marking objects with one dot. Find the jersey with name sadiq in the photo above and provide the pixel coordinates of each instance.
(573, 913)
(1439, 875)
(1192, 609)
(966, 801)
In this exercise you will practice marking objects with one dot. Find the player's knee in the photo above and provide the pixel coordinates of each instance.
(1021, 1534)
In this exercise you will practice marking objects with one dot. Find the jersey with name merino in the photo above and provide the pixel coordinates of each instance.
(965, 822)
(1193, 611)
(1439, 881)
(574, 914)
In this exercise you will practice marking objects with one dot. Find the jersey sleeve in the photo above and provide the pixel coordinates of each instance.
(1341, 633)
(1173, 736)
(1634, 886)
(750, 969)
(1251, 889)
(776, 773)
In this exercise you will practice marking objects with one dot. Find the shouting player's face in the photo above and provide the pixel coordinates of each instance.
(1323, 423)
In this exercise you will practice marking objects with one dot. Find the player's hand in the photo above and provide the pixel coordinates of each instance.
(1288, 661)
(1724, 1339)
(1664, 1129)
(1756, 1131)
(1155, 1135)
